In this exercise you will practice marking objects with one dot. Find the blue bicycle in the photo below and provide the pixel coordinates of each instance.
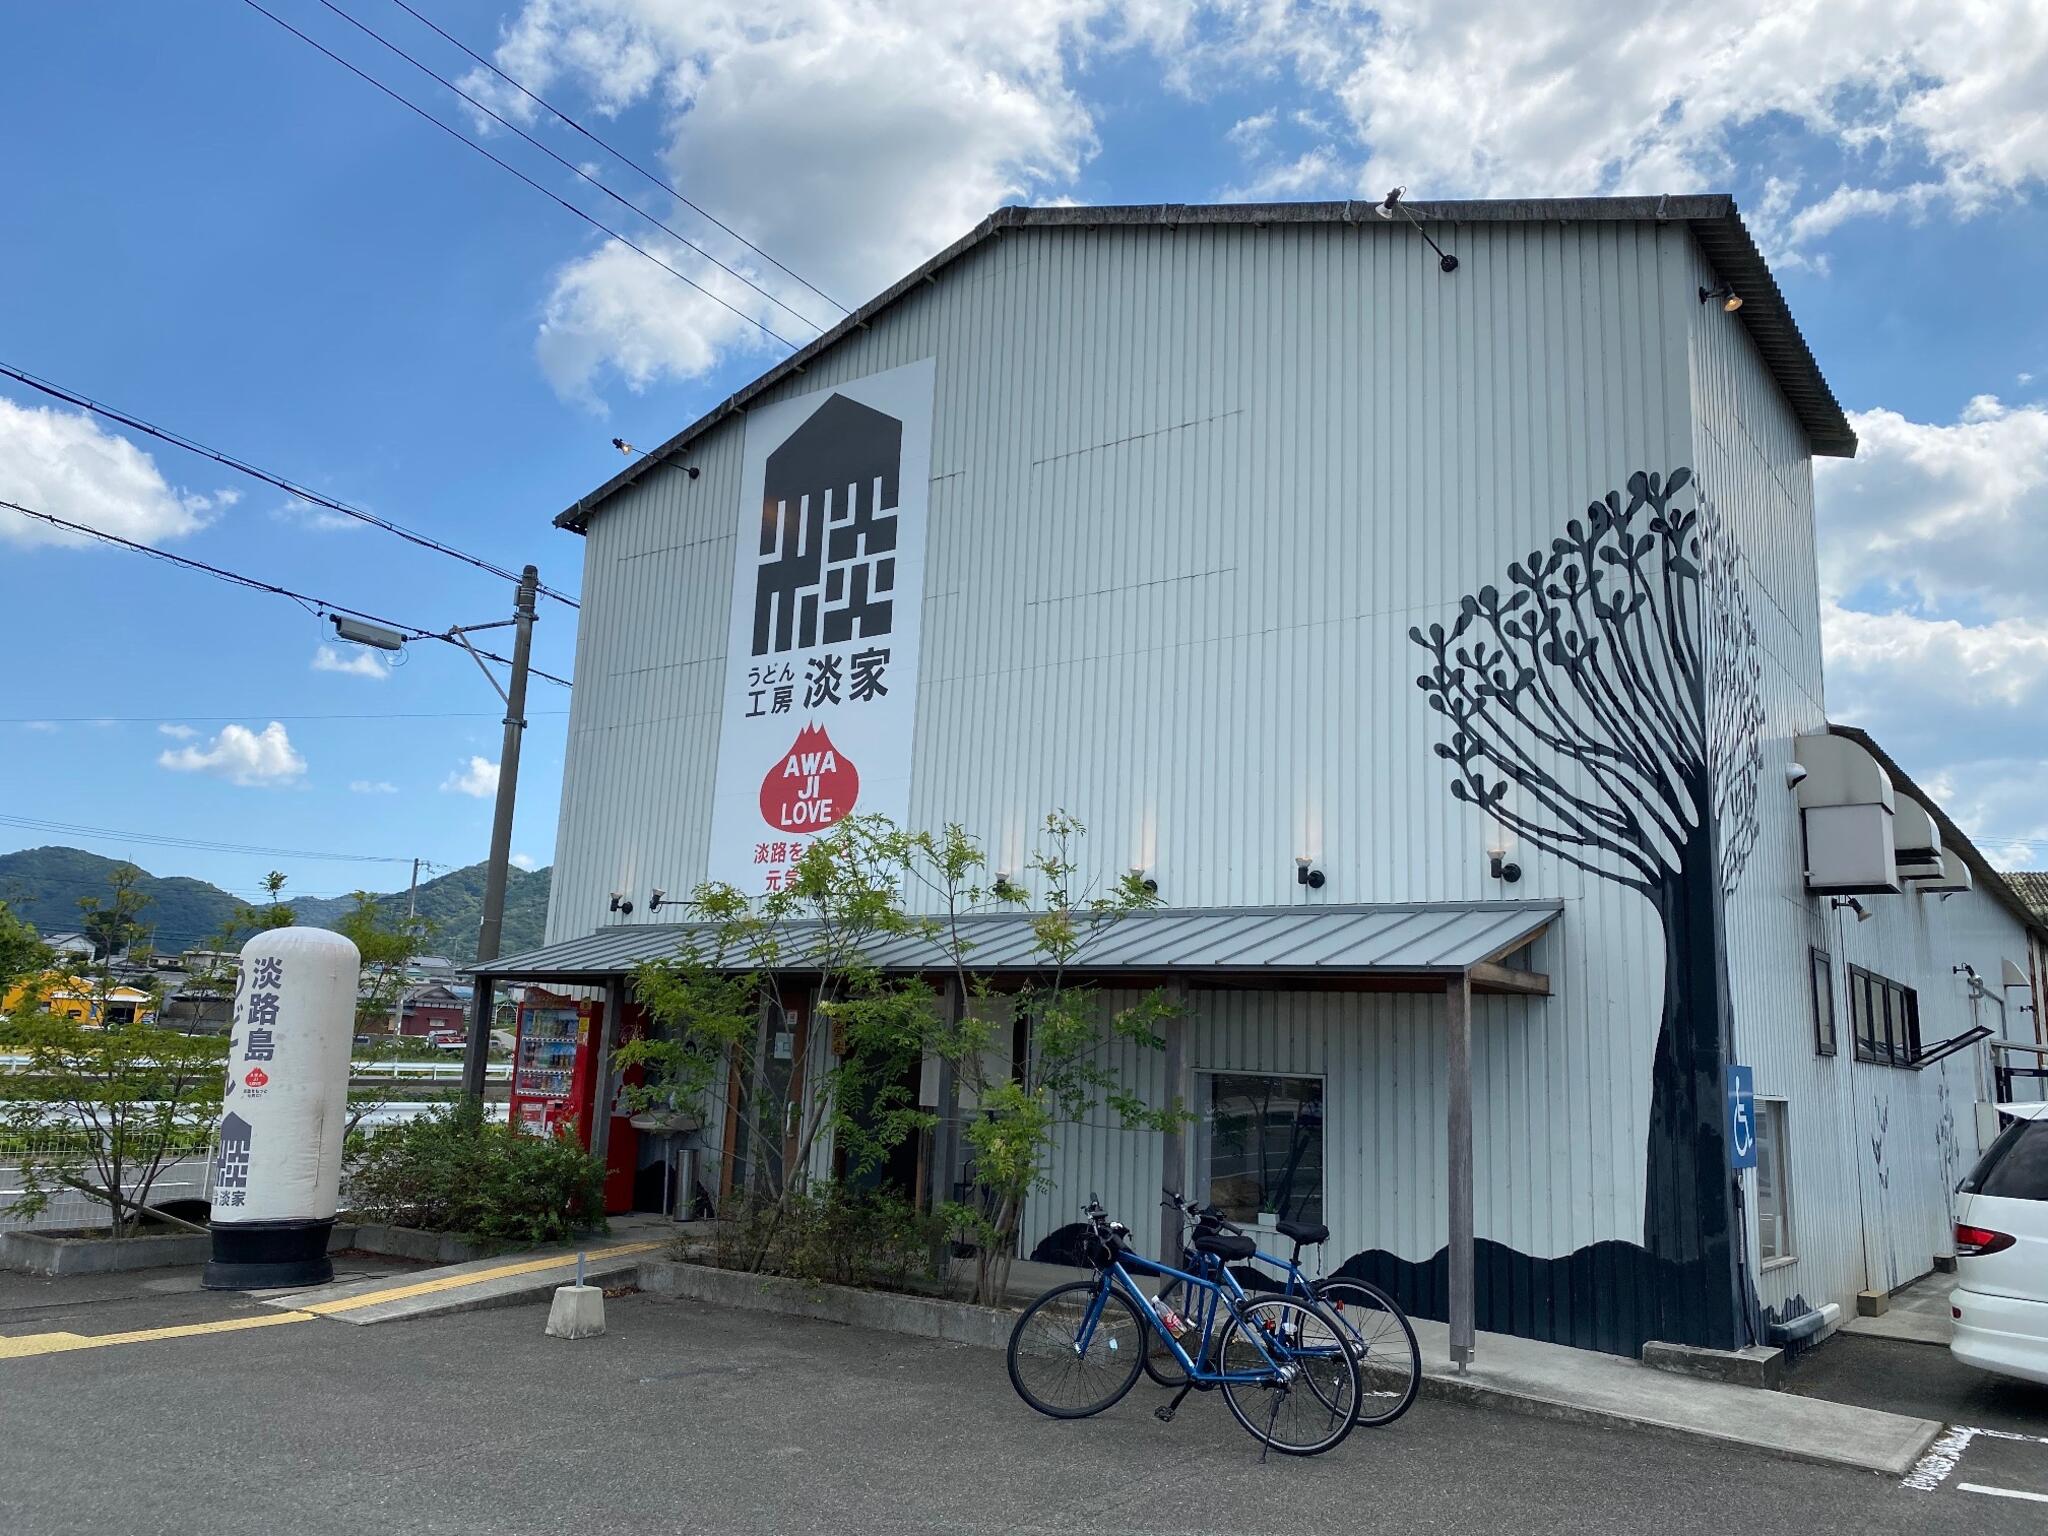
(1280, 1361)
(1381, 1338)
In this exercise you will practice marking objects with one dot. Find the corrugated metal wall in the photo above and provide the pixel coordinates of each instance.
(1859, 1219)
(1190, 490)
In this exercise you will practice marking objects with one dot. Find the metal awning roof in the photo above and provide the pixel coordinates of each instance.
(1382, 945)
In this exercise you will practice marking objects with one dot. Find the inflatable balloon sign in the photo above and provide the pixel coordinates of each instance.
(277, 1175)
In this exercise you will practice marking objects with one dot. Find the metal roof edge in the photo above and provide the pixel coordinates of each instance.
(1712, 217)
(1952, 836)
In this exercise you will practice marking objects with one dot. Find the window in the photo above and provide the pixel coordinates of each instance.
(1886, 1017)
(1773, 1187)
(2015, 1166)
(1823, 1003)
(1261, 1147)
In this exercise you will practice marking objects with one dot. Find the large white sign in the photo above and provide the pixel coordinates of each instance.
(286, 1108)
(827, 595)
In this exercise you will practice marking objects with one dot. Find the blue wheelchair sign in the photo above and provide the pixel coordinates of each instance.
(1742, 1117)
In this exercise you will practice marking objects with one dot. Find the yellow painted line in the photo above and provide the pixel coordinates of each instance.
(474, 1277)
(22, 1346)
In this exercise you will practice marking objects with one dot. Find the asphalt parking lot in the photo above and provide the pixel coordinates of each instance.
(692, 1418)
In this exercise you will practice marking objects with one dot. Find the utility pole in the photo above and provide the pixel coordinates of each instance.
(478, 1047)
(411, 894)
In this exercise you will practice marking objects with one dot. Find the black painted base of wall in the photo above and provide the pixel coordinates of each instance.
(1612, 1297)
(259, 1255)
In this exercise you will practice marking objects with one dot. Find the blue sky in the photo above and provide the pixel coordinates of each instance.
(211, 226)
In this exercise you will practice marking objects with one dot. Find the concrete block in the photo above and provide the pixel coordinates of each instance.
(1872, 1303)
(1758, 1365)
(39, 1253)
(577, 1312)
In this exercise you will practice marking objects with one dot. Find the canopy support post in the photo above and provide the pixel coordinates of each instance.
(1174, 1144)
(1458, 1038)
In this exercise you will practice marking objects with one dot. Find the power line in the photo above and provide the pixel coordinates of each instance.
(512, 170)
(204, 845)
(618, 154)
(266, 714)
(570, 165)
(317, 605)
(242, 466)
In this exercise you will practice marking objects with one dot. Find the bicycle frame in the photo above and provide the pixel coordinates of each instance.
(1116, 1276)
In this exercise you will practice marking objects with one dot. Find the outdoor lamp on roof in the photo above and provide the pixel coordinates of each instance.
(640, 453)
(622, 904)
(1852, 904)
(1306, 873)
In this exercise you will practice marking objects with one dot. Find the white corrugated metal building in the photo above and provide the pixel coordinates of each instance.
(1183, 492)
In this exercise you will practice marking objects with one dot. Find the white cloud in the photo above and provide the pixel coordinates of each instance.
(526, 861)
(177, 732)
(1921, 100)
(372, 787)
(60, 462)
(47, 727)
(356, 663)
(305, 514)
(478, 777)
(1931, 517)
(241, 756)
(916, 119)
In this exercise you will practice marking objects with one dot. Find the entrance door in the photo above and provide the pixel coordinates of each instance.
(764, 1116)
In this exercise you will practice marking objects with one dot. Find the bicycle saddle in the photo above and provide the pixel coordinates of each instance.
(1304, 1234)
(1226, 1245)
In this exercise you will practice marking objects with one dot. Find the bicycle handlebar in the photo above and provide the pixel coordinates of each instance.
(1201, 1213)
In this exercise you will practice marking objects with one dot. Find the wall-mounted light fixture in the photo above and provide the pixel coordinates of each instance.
(1503, 869)
(1003, 889)
(1306, 873)
(640, 453)
(1444, 259)
(661, 898)
(621, 905)
(1146, 883)
(1851, 904)
(1795, 775)
(1728, 298)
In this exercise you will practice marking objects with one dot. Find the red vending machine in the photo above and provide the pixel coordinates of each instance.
(554, 1086)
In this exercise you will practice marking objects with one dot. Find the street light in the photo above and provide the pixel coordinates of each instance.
(362, 633)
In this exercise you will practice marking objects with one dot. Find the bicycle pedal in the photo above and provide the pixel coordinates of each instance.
(1164, 1413)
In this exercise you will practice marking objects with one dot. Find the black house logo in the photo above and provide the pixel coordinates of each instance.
(828, 530)
(232, 1169)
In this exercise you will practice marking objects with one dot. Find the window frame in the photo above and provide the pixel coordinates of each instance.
(1774, 1140)
(1200, 1144)
(1820, 967)
(1884, 1018)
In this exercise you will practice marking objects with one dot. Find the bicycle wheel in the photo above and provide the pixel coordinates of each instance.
(1053, 1373)
(1309, 1404)
(1383, 1343)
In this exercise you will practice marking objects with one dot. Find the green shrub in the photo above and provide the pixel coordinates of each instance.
(451, 1170)
(834, 1234)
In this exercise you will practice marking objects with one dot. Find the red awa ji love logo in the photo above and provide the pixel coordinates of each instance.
(811, 785)
(257, 1077)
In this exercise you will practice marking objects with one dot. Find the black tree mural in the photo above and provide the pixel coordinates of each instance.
(1606, 708)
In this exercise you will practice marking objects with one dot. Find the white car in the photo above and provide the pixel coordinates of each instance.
(2000, 1303)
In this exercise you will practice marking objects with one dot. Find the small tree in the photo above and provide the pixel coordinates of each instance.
(112, 923)
(387, 947)
(103, 1110)
(1025, 1098)
(723, 1019)
(24, 957)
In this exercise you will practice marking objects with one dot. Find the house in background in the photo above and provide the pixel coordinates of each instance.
(433, 1009)
(73, 997)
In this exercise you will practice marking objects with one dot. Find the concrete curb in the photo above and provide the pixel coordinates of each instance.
(953, 1322)
(37, 1253)
(409, 1243)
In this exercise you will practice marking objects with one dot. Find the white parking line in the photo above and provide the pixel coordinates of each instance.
(2002, 1493)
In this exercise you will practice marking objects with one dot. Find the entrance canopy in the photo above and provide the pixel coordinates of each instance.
(1451, 948)
(1399, 948)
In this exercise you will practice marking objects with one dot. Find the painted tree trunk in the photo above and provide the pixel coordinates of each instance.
(1688, 1203)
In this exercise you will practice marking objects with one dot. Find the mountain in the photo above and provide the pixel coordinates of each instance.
(42, 886)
